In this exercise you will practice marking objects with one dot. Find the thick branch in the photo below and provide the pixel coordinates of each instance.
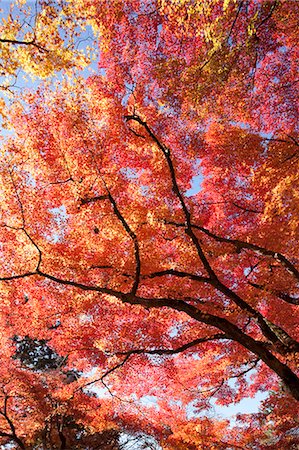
(240, 245)
(267, 330)
(231, 331)
(87, 200)
(188, 228)
(214, 280)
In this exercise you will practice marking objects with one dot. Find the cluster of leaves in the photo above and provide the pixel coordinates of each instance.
(148, 289)
(40, 39)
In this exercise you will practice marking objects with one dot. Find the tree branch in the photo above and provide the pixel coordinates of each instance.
(16, 277)
(175, 351)
(282, 295)
(240, 245)
(231, 331)
(13, 436)
(177, 273)
(17, 42)
(188, 228)
(134, 239)
(87, 200)
(108, 372)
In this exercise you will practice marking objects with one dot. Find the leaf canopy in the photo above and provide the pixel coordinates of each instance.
(135, 299)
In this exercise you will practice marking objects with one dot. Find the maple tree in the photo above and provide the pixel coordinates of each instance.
(40, 39)
(120, 282)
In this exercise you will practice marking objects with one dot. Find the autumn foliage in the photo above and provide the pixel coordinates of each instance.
(149, 226)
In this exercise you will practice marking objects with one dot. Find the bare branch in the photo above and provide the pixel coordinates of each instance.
(175, 351)
(188, 228)
(23, 229)
(231, 331)
(273, 6)
(16, 277)
(239, 244)
(282, 295)
(13, 436)
(254, 211)
(17, 42)
(87, 200)
(134, 239)
(37, 248)
(254, 363)
(108, 372)
(136, 134)
(235, 19)
(177, 273)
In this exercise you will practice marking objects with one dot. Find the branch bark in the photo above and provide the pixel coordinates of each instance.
(232, 332)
